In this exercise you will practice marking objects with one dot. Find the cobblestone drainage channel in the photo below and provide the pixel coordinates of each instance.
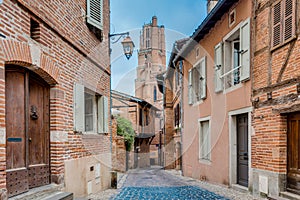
(166, 193)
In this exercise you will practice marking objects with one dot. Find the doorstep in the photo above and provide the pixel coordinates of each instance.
(239, 188)
(47, 192)
(290, 195)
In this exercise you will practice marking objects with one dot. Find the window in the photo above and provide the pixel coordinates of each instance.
(232, 58)
(283, 21)
(197, 52)
(147, 37)
(90, 111)
(95, 13)
(204, 140)
(147, 43)
(35, 31)
(147, 33)
(144, 117)
(177, 116)
(154, 94)
(231, 18)
(197, 81)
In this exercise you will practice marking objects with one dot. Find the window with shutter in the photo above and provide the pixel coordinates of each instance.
(95, 13)
(203, 78)
(283, 21)
(245, 51)
(218, 68)
(90, 111)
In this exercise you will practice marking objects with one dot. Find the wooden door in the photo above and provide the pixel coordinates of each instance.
(242, 150)
(293, 157)
(27, 130)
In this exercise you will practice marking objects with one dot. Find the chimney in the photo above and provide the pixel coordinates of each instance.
(154, 21)
(211, 4)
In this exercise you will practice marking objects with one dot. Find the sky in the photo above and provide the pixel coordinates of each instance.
(179, 17)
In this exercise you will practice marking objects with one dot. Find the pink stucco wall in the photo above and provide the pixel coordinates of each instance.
(216, 106)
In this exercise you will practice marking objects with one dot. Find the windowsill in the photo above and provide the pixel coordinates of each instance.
(92, 133)
(204, 161)
(283, 44)
(197, 103)
(232, 88)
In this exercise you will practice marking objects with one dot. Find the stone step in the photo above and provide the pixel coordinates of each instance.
(48, 192)
(290, 195)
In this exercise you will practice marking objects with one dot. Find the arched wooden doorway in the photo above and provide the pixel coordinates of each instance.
(27, 130)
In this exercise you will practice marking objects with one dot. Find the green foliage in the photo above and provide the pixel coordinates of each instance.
(125, 129)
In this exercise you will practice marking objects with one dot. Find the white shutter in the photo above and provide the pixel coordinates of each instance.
(245, 50)
(190, 87)
(203, 75)
(218, 67)
(95, 13)
(105, 114)
(78, 112)
(100, 119)
(102, 114)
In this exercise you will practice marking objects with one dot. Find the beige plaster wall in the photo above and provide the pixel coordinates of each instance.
(87, 175)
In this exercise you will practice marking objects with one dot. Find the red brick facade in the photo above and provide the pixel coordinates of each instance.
(275, 96)
(66, 53)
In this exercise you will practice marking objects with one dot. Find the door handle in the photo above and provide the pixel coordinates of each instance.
(245, 156)
(29, 139)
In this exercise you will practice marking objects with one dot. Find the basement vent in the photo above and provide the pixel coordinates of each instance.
(35, 30)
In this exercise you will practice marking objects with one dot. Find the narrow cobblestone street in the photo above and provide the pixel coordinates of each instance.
(155, 183)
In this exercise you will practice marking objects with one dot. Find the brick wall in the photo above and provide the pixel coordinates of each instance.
(275, 78)
(118, 150)
(270, 127)
(67, 53)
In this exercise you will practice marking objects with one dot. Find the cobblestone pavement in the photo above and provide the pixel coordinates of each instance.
(155, 183)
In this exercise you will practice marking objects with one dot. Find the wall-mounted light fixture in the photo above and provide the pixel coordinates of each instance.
(127, 43)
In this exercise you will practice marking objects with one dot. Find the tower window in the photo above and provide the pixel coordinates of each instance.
(155, 94)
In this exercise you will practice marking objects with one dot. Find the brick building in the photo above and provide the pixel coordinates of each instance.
(55, 86)
(142, 115)
(216, 96)
(172, 81)
(151, 62)
(275, 98)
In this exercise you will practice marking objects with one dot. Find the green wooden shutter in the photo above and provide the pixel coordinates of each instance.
(245, 50)
(78, 113)
(95, 13)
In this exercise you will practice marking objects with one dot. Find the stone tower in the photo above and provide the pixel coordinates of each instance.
(151, 61)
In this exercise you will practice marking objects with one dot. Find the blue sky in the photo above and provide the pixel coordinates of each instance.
(179, 17)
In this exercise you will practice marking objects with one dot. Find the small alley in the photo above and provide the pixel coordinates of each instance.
(156, 183)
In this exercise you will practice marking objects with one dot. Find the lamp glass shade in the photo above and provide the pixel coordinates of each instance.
(128, 47)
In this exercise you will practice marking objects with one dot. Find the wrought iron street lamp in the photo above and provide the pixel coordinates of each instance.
(127, 43)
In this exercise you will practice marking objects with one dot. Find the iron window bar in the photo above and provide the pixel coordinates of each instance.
(229, 72)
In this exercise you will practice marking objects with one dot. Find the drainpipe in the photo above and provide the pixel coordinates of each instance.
(181, 110)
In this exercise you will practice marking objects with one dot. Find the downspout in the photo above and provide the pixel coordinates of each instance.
(181, 112)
